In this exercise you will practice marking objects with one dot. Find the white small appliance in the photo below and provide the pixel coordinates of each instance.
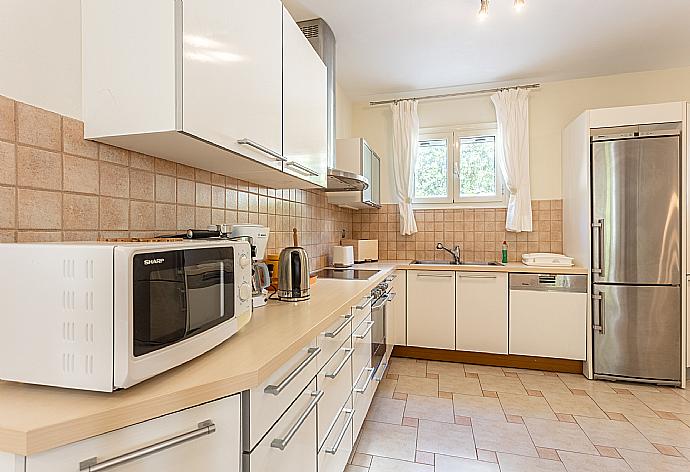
(261, 279)
(343, 256)
(104, 316)
(366, 250)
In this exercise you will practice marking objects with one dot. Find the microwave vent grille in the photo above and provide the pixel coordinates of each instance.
(89, 301)
(88, 332)
(69, 331)
(89, 269)
(310, 30)
(68, 362)
(68, 300)
(68, 268)
(88, 364)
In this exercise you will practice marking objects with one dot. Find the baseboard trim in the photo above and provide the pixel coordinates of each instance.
(498, 360)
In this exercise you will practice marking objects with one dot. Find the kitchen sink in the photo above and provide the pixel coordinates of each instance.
(464, 263)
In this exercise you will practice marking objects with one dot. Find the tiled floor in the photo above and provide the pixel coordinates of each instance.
(443, 417)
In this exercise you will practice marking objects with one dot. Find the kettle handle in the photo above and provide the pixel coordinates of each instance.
(294, 237)
(267, 275)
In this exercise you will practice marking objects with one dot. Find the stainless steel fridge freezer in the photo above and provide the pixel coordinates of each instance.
(636, 253)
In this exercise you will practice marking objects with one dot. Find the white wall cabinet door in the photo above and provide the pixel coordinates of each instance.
(396, 319)
(232, 74)
(431, 309)
(305, 95)
(482, 312)
(200, 449)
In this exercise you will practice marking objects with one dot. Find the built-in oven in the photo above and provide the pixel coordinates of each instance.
(381, 296)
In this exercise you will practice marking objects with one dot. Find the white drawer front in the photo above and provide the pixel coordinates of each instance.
(290, 446)
(361, 342)
(269, 400)
(182, 444)
(362, 394)
(339, 443)
(335, 379)
(331, 339)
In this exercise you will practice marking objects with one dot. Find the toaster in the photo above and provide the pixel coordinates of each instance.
(365, 250)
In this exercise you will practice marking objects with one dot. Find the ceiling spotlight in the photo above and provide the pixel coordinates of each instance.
(484, 10)
(519, 5)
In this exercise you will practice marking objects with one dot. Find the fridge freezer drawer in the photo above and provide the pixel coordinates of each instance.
(637, 332)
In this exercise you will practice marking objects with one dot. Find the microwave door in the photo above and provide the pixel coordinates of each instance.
(210, 295)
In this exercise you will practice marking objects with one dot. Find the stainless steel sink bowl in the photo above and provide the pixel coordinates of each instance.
(464, 263)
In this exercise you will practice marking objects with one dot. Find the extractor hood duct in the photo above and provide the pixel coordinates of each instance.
(322, 40)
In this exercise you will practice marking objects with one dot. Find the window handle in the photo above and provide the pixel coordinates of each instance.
(456, 170)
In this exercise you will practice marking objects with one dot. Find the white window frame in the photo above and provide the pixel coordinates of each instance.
(454, 200)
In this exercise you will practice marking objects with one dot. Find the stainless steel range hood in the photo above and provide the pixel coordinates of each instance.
(322, 40)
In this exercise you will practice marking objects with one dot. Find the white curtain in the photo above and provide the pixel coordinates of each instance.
(512, 154)
(405, 142)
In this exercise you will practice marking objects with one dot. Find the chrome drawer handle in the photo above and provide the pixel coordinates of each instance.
(281, 444)
(366, 331)
(264, 149)
(276, 389)
(301, 168)
(348, 354)
(364, 304)
(336, 331)
(341, 436)
(92, 465)
(391, 278)
(462, 276)
(439, 276)
(370, 377)
(391, 296)
(383, 371)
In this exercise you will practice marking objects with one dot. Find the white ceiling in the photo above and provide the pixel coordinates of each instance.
(388, 46)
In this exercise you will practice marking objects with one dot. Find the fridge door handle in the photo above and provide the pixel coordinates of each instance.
(599, 302)
(599, 226)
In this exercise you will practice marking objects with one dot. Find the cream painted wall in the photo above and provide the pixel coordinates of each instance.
(552, 107)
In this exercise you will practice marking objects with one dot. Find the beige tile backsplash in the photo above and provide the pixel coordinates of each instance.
(56, 186)
(479, 232)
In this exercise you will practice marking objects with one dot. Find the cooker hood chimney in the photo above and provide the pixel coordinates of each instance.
(322, 40)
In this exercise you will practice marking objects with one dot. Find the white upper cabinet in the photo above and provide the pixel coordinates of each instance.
(305, 117)
(482, 312)
(431, 309)
(200, 82)
(231, 74)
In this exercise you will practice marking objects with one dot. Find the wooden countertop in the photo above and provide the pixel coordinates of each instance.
(36, 418)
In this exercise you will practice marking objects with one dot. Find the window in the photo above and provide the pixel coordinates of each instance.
(458, 166)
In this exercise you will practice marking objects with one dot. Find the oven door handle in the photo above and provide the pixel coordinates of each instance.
(380, 302)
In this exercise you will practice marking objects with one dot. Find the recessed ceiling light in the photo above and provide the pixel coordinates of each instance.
(519, 5)
(484, 10)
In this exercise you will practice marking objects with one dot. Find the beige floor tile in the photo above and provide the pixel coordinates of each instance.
(386, 388)
(503, 384)
(478, 407)
(386, 410)
(450, 368)
(446, 438)
(559, 435)
(403, 366)
(456, 384)
(382, 464)
(685, 451)
(543, 383)
(581, 382)
(666, 432)
(429, 408)
(417, 386)
(664, 401)
(573, 405)
(514, 463)
(644, 462)
(636, 387)
(484, 369)
(355, 468)
(685, 393)
(526, 406)
(387, 440)
(684, 418)
(361, 460)
(501, 436)
(623, 404)
(618, 434)
(522, 371)
(457, 464)
(576, 462)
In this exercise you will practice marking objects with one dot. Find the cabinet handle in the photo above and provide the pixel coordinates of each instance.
(370, 377)
(92, 465)
(391, 296)
(462, 276)
(336, 331)
(282, 443)
(599, 300)
(264, 149)
(599, 225)
(348, 354)
(366, 331)
(341, 436)
(276, 389)
(383, 371)
(364, 303)
(300, 167)
(440, 276)
(391, 278)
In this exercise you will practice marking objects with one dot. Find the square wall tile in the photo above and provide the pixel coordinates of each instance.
(203, 194)
(8, 163)
(142, 185)
(79, 212)
(185, 217)
(114, 180)
(73, 139)
(38, 168)
(186, 192)
(80, 174)
(165, 188)
(165, 216)
(8, 204)
(142, 215)
(114, 214)
(185, 172)
(113, 154)
(7, 122)
(38, 209)
(141, 161)
(38, 127)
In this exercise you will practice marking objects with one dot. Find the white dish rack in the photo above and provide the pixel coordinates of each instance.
(547, 259)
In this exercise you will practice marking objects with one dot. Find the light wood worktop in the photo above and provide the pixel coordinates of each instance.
(35, 418)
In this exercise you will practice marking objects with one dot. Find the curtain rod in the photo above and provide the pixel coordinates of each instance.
(457, 94)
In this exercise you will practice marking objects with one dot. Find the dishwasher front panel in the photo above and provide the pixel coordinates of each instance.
(637, 332)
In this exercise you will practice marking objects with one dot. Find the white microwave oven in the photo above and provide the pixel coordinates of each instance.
(105, 316)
